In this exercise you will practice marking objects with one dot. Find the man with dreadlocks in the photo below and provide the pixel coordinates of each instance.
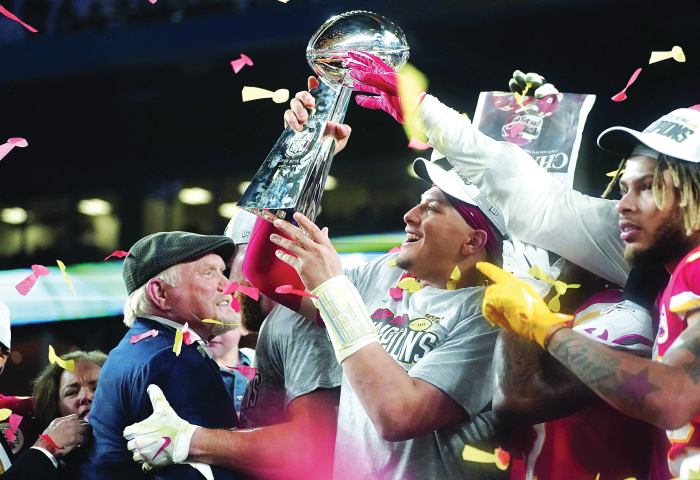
(660, 225)
(656, 223)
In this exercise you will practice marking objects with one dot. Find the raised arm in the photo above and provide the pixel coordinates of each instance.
(400, 407)
(537, 208)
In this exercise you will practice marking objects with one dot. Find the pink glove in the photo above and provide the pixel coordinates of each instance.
(375, 76)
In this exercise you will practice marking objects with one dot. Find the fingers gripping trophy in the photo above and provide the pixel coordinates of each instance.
(294, 173)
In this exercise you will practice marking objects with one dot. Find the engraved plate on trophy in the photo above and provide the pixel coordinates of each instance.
(293, 176)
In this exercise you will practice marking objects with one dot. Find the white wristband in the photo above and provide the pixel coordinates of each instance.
(347, 320)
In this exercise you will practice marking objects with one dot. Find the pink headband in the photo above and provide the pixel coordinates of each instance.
(476, 219)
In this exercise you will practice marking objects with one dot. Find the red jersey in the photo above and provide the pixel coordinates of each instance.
(681, 297)
(598, 439)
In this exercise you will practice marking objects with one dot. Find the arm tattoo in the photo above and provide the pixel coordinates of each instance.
(598, 368)
(688, 345)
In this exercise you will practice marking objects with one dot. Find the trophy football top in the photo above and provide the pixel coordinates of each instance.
(359, 31)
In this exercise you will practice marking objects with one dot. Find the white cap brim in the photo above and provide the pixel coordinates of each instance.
(445, 181)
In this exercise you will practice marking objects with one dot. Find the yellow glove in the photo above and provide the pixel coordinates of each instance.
(513, 305)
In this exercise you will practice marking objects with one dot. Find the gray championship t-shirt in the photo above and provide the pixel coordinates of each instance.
(293, 357)
(438, 336)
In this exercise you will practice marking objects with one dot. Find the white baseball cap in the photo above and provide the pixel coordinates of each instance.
(240, 226)
(454, 183)
(676, 134)
(5, 336)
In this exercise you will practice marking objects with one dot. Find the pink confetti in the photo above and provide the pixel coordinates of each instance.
(232, 287)
(14, 422)
(622, 95)
(289, 289)
(417, 144)
(11, 143)
(136, 338)
(186, 335)
(235, 304)
(396, 293)
(394, 250)
(516, 129)
(12, 16)
(25, 285)
(153, 1)
(118, 253)
(50, 441)
(240, 63)
(246, 371)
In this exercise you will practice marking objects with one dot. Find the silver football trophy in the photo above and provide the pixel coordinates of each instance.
(293, 176)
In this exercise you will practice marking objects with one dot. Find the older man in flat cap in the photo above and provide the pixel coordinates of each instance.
(173, 279)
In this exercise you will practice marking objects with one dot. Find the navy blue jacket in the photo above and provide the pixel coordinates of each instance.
(191, 383)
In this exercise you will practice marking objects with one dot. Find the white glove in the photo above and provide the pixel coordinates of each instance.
(163, 438)
(519, 257)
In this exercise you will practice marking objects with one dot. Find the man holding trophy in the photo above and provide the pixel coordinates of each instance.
(417, 369)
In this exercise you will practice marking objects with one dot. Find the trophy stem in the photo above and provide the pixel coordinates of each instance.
(310, 199)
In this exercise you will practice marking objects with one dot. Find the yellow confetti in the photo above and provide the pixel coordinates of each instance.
(676, 53)
(65, 275)
(392, 263)
(5, 413)
(177, 346)
(455, 277)
(209, 320)
(255, 93)
(411, 84)
(559, 286)
(410, 284)
(65, 364)
(499, 456)
(614, 172)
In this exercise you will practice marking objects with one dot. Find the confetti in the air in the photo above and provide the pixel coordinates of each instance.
(559, 286)
(137, 338)
(613, 173)
(622, 95)
(5, 413)
(25, 285)
(65, 275)
(255, 93)
(246, 371)
(177, 345)
(240, 63)
(64, 364)
(289, 289)
(50, 441)
(235, 304)
(455, 277)
(153, 1)
(232, 287)
(118, 253)
(217, 322)
(409, 283)
(676, 53)
(14, 422)
(416, 144)
(12, 16)
(499, 456)
(411, 84)
(11, 143)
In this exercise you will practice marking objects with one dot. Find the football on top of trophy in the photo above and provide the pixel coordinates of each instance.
(357, 30)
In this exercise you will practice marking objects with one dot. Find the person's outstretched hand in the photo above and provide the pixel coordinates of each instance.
(513, 305)
(372, 75)
(66, 433)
